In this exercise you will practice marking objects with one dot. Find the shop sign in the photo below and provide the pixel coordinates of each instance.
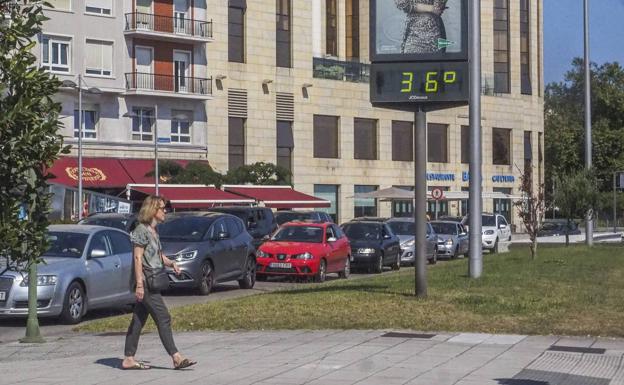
(89, 174)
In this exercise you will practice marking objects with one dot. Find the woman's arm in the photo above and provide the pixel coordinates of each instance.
(138, 271)
(168, 262)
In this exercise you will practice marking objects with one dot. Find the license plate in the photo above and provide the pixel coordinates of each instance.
(281, 265)
(2, 295)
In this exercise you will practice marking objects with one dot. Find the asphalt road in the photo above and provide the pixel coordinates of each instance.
(14, 329)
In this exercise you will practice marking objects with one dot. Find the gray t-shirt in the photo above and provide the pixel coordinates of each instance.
(143, 237)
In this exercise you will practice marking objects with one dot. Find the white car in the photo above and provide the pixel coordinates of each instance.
(494, 230)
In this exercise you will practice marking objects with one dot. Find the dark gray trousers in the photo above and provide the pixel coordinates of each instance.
(153, 305)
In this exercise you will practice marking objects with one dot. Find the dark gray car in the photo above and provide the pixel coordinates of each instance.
(373, 245)
(405, 229)
(209, 248)
(260, 221)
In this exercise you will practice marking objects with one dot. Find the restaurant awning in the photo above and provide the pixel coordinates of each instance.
(184, 196)
(277, 197)
(96, 172)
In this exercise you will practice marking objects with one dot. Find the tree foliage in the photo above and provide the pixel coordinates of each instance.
(532, 208)
(29, 134)
(576, 195)
(259, 173)
(564, 131)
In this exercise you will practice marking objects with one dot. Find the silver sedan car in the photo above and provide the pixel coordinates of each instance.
(86, 267)
(452, 238)
(405, 229)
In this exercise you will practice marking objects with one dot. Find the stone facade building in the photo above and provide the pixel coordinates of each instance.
(285, 81)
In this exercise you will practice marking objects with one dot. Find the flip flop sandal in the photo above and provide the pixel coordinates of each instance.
(185, 363)
(137, 366)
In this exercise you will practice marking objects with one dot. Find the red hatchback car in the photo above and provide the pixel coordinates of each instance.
(305, 249)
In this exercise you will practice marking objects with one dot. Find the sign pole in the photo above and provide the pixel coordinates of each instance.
(475, 205)
(420, 200)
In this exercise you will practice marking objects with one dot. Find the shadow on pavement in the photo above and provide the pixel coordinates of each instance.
(115, 363)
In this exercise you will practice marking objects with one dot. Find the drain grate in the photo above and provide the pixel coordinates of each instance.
(408, 335)
(575, 349)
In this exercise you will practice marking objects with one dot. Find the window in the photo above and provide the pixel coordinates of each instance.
(528, 147)
(364, 207)
(365, 138)
(437, 147)
(61, 4)
(236, 143)
(285, 144)
(465, 144)
(55, 55)
(501, 46)
(403, 208)
(465, 203)
(120, 242)
(402, 141)
(98, 242)
(353, 29)
(503, 206)
(501, 146)
(100, 7)
(142, 121)
(236, 30)
(99, 58)
(90, 118)
(325, 136)
(525, 43)
(283, 35)
(331, 27)
(181, 126)
(329, 192)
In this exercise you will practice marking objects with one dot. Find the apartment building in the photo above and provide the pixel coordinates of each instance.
(240, 81)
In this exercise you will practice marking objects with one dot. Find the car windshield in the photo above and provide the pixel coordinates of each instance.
(309, 234)
(118, 223)
(488, 220)
(444, 228)
(65, 244)
(362, 231)
(551, 226)
(282, 218)
(403, 227)
(184, 229)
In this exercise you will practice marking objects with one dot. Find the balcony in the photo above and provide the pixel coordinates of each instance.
(349, 71)
(158, 27)
(139, 83)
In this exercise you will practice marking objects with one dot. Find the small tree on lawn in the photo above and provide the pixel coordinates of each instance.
(576, 196)
(531, 209)
(29, 142)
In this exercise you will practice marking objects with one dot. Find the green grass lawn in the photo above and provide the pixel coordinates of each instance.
(566, 291)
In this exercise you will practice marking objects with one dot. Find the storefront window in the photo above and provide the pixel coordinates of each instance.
(328, 192)
(503, 206)
(364, 207)
(403, 208)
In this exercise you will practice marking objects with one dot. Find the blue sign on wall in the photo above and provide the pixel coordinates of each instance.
(440, 177)
(495, 178)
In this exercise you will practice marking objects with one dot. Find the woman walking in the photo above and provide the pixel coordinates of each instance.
(148, 267)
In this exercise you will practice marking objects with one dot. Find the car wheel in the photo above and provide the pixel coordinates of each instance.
(347, 269)
(495, 248)
(207, 279)
(249, 279)
(74, 304)
(379, 266)
(434, 259)
(397, 264)
(322, 272)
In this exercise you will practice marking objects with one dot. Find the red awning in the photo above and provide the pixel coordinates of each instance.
(278, 197)
(192, 196)
(97, 172)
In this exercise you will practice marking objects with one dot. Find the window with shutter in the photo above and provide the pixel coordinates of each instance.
(100, 7)
(326, 136)
(365, 138)
(99, 58)
(402, 141)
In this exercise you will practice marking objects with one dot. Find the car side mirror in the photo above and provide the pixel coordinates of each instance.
(331, 239)
(266, 237)
(502, 227)
(252, 225)
(386, 236)
(97, 253)
(223, 235)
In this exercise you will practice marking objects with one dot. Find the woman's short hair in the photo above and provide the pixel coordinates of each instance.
(149, 208)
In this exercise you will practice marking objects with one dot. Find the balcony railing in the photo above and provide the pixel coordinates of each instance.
(167, 24)
(168, 83)
(350, 71)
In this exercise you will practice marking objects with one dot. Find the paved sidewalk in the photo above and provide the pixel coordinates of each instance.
(323, 358)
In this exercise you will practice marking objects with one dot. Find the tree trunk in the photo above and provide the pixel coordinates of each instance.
(33, 334)
(533, 248)
(567, 233)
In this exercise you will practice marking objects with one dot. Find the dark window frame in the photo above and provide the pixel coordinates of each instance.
(402, 141)
(437, 151)
(323, 145)
(502, 78)
(465, 144)
(285, 144)
(331, 27)
(501, 146)
(365, 139)
(525, 47)
(236, 32)
(353, 29)
(236, 142)
(283, 33)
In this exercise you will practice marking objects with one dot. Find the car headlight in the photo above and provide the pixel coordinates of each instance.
(366, 250)
(449, 242)
(409, 243)
(184, 256)
(262, 254)
(488, 232)
(42, 280)
(305, 256)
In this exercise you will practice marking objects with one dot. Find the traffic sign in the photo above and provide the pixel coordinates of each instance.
(437, 193)
(164, 140)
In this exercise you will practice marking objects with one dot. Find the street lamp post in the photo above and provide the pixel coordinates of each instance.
(94, 91)
(615, 174)
(589, 228)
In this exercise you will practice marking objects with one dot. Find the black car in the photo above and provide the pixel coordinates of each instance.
(209, 248)
(554, 228)
(369, 219)
(373, 245)
(259, 221)
(288, 216)
(125, 222)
